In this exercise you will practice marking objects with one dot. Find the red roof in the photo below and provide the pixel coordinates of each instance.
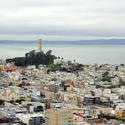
(79, 115)
(12, 68)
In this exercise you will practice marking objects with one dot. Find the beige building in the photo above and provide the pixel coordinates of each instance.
(106, 110)
(11, 93)
(59, 117)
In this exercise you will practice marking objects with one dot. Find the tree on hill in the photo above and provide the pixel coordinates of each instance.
(1, 102)
(34, 58)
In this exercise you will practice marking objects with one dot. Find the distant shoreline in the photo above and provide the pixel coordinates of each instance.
(76, 42)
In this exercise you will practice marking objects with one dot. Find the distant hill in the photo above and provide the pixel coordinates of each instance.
(76, 42)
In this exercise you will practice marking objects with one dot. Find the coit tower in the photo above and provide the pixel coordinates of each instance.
(40, 45)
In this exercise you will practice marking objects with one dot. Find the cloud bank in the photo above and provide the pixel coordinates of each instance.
(62, 19)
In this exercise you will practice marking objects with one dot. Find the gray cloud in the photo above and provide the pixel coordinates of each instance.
(66, 18)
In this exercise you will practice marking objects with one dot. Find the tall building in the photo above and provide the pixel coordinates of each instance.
(40, 45)
(59, 117)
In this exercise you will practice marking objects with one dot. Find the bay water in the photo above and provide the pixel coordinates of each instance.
(85, 54)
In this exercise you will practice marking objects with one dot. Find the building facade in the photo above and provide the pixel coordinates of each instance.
(59, 117)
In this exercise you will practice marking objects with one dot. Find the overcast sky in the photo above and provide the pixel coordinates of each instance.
(61, 19)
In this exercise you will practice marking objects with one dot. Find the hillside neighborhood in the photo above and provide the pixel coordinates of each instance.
(91, 95)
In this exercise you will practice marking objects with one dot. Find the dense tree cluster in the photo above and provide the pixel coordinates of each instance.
(106, 77)
(33, 58)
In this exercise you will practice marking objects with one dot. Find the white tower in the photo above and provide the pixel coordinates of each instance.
(40, 45)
